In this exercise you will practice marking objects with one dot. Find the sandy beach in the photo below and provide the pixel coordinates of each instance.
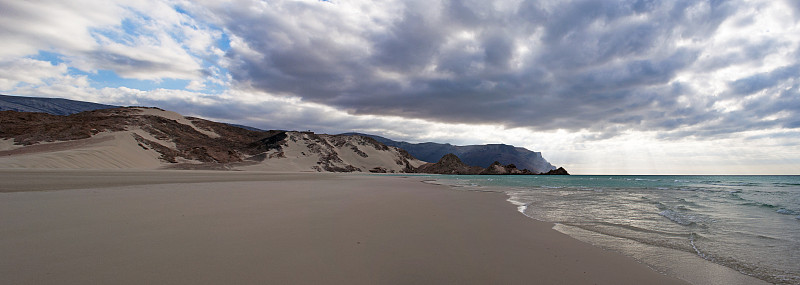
(203, 227)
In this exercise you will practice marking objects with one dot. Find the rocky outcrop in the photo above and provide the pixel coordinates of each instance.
(499, 169)
(479, 155)
(451, 164)
(559, 171)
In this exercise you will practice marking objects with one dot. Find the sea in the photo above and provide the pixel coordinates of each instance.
(697, 228)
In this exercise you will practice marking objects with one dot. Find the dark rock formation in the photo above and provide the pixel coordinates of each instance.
(480, 155)
(559, 171)
(449, 164)
(498, 169)
(378, 170)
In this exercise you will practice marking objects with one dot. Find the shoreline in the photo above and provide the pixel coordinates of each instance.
(209, 227)
(679, 264)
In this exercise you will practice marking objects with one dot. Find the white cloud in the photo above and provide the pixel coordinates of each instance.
(28, 71)
(30, 26)
(146, 40)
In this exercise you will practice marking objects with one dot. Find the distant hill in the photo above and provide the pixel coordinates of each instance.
(451, 164)
(53, 106)
(151, 138)
(61, 107)
(474, 155)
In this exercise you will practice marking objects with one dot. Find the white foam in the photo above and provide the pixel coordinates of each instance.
(681, 219)
(515, 200)
(521, 207)
(699, 253)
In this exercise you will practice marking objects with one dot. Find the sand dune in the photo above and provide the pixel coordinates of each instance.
(302, 152)
(8, 144)
(118, 150)
(150, 138)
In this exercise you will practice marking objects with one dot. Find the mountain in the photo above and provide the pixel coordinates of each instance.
(451, 164)
(54, 106)
(476, 155)
(151, 138)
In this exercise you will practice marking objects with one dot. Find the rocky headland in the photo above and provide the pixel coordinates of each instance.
(451, 164)
(479, 155)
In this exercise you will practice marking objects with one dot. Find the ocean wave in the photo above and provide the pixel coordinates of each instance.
(735, 196)
(785, 184)
(659, 205)
(680, 218)
(735, 184)
(688, 203)
(518, 199)
(552, 187)
(757, 204)
(521, 206)
(786, 211)
(613, 229)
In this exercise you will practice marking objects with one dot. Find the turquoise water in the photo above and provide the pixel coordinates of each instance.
(747, 223)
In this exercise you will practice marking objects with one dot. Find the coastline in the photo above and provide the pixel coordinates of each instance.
(681, 264)
(244, 227)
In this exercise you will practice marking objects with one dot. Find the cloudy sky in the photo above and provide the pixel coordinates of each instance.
(600, 87)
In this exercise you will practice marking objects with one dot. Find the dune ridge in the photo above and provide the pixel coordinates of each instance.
(152, 138)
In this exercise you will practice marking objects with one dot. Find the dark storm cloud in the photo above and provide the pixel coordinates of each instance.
(604, 66)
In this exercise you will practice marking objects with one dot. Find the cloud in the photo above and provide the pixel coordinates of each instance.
(32, 26)
(28, 71)
(761, 81)
(548, 65)
(146, 40)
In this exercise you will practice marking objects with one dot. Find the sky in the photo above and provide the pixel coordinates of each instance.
(599, 87)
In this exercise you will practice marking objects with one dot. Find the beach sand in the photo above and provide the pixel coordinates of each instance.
(204, 227)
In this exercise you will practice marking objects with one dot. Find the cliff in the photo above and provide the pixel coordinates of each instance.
(478, 155)
(451, 164)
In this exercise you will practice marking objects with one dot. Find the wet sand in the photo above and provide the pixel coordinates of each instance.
(205, 227)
